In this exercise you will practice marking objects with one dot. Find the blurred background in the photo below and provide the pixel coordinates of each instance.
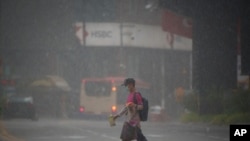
(179, 47)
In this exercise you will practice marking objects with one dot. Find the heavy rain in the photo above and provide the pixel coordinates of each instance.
(63, 63)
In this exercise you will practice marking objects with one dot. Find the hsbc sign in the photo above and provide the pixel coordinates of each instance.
(102, 34)
(129, 35)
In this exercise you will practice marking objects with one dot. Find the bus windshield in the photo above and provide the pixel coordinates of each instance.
(94, 88)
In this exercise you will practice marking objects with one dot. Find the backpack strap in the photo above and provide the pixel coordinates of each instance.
(136, 102)
(135, 99)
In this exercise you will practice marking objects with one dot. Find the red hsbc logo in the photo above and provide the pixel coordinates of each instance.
(176, 24)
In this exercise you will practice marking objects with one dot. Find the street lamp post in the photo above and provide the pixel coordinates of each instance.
(163, 81)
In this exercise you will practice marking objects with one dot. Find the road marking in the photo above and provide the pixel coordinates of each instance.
(117, 139)
(214, 137)
(91, 132)
(155, 135)
(103, 135)
(225, 139)
(110, 137)
(74, 137)
(60, 137)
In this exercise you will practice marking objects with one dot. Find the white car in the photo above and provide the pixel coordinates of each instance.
(156, 113)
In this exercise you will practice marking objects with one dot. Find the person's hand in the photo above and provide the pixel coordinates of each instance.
(115, 117)
(130, 104)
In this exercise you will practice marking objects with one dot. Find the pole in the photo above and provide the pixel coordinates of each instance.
(191, 72)
(163, 81)
(121, 63)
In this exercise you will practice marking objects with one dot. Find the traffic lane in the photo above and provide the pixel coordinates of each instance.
(91, 130)
(161, 131)
(99, 130)
(61, 130)
(200, 129)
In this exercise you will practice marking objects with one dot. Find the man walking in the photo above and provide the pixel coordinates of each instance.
(131, 108)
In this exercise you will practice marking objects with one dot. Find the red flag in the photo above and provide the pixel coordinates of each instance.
(177, 24)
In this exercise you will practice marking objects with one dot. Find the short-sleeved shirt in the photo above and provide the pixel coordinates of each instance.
(132, 114)
(130, 98)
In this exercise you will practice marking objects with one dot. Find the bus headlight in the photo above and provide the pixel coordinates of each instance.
(114, 89)
(113, 109)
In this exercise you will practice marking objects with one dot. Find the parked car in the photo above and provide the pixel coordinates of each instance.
(20, 107)
(156, 113)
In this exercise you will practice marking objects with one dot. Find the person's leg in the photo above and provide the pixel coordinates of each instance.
(140, 136)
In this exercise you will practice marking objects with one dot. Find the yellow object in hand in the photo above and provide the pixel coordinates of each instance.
(111, 120)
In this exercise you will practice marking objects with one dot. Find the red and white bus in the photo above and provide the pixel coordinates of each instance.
(102, 96)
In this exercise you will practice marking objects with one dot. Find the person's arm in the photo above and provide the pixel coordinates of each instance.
(121, 112)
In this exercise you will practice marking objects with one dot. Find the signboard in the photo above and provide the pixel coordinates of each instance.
(79, 32)
(182, 43)
(102, 34)
(130, 35)
(146, 36)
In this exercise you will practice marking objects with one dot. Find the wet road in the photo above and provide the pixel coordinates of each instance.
(93, 130)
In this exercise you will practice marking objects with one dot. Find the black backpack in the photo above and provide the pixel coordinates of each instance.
(144, 112)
